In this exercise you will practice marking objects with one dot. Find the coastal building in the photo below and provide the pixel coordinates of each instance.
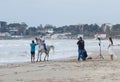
(46, 30)
(13, 31)
(49, 30)
(80, 35)
(5, 35)
(61, 36)
(101, 35)
(3, 26)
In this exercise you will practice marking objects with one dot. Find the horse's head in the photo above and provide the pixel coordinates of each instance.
(38, 41)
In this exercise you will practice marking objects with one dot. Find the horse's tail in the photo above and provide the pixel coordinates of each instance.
(52, 47)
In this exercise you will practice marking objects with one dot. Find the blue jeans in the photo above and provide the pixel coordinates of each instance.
(81, 54)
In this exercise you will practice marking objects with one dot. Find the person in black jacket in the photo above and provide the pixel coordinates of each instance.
(81, 49)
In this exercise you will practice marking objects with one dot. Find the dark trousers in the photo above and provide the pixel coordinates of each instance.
(45, 46)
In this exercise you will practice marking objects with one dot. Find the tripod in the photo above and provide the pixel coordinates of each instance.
(100, 55)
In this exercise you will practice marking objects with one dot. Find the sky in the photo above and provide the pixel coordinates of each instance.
(60, 12)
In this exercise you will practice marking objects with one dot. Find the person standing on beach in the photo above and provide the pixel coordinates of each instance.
(110, 48)
(81, 49)
(32, 45)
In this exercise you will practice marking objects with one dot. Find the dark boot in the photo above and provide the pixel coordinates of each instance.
(46, 51)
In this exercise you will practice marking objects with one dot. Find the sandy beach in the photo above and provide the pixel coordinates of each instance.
(66, 70)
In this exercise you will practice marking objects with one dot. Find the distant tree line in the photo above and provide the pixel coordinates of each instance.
(88, 30)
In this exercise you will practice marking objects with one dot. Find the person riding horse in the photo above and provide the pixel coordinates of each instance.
(41, 48)
(43, 43)
(42, 40)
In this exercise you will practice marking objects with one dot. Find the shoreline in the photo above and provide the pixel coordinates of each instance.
(66, 70)
(67, 58)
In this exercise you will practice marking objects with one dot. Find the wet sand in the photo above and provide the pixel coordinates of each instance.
(66, 70)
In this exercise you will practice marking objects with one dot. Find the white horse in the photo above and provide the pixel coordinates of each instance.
(42, 50)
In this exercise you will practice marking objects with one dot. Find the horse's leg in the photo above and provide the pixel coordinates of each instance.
(45, 56)
(38, 56)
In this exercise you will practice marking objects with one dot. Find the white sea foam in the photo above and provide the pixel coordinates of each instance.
(14, 51)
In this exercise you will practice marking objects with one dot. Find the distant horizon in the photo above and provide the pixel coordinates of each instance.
(60, 12)
(61, 25)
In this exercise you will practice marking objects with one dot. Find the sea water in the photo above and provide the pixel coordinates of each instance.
(18, 51)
